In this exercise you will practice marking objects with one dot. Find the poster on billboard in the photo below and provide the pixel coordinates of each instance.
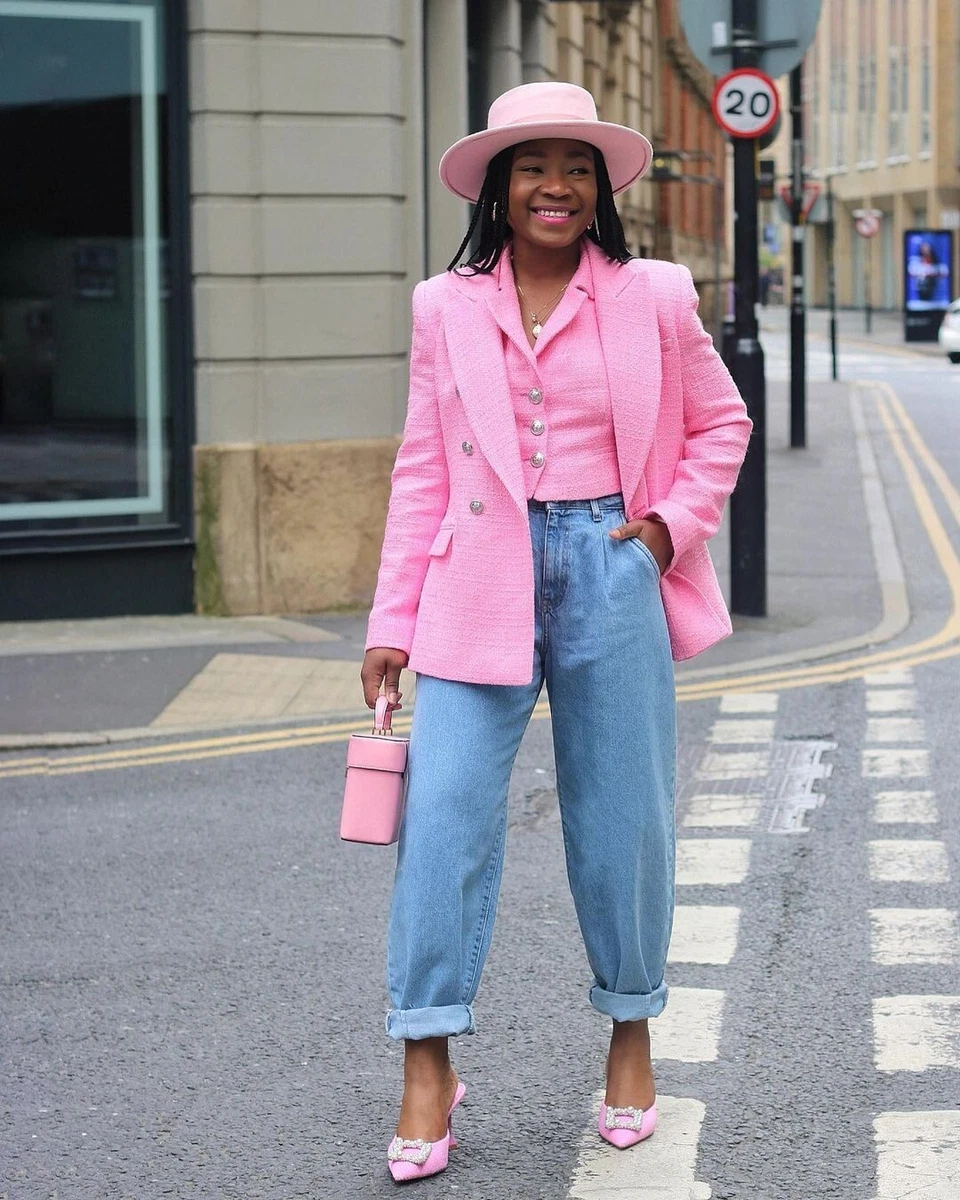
(927, 281)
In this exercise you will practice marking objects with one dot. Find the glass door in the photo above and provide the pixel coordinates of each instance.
(89, 437)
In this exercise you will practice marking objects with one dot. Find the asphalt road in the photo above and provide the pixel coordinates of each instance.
(191, 978)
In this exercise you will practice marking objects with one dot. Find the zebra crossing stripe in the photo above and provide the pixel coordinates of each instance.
(704, 933)
(914, 936)
(717, 862)
(900, 763)
(905, 807)
(896, 861)
(891, 677)
(721, 810)
(899, 700)
(916, 1033)
(740, 731)
(749, 702)
(688, 1029)
(894, 729)
(669, 1159)
(918, 1155)
(733, 764)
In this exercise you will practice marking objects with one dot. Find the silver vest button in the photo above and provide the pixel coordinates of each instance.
(537, 459)
(537, 427)
(534, 395)
(476, 506)
(467, 447)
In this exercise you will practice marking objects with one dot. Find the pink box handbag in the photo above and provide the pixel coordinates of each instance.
(376, 773)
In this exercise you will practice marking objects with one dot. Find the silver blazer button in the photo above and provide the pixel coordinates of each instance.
(537, 459)
(476, 506)
(466, 447)
(534, 395)
(537, 427)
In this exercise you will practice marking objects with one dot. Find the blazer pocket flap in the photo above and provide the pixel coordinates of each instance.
(441, 541)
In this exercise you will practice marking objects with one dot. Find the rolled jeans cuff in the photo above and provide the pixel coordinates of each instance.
(629, 1007)
(414, 1024)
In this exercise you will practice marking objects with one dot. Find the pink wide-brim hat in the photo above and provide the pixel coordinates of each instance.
(544, 110)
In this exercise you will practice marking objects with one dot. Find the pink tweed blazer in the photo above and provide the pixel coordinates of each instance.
(455, 589)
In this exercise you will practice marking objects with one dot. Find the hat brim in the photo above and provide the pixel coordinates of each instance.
(626, 153)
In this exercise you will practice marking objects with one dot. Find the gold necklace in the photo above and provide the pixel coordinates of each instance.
(546, 309)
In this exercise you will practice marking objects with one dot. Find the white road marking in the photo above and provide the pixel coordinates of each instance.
(733, 764)
(892, 677)
(894, 729)
(710, 811)
(663, 1168)
(907, 808)
(718, 861)
(740, 731)
(914, 936)
(900, 700)
(688, 1029)
(916, 1033)
(704, 933)
(900, 763)
(749, 702)
(918, 1155)
(896, 861)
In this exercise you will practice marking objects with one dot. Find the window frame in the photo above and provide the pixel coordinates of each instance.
(179, 421)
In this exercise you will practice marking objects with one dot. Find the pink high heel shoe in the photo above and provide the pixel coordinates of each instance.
(623, 1127)
(413, 1158)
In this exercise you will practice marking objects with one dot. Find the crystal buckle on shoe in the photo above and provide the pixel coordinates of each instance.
(623, 1118)
(411, 1150)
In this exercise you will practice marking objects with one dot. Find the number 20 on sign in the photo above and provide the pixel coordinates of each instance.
(746, 103)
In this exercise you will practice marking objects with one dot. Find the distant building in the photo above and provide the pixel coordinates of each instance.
(212, 215)
(882, 121)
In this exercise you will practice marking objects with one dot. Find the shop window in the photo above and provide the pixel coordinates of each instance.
(86, 418)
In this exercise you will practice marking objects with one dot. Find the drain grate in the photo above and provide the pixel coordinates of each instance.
(789, 789)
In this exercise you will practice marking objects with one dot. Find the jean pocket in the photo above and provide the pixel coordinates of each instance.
(647, 553)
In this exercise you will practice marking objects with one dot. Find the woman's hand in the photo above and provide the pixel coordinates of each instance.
(654, 535)
(382, 663)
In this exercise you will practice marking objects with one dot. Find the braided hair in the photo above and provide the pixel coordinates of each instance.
(490, 218)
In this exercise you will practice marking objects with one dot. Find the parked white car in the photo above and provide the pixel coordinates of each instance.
(949, 335)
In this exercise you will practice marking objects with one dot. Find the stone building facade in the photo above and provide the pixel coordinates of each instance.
(317, 130)
(882, 122)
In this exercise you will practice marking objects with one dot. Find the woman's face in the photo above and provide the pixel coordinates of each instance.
(553, 192)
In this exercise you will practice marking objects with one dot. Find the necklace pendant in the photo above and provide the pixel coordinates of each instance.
(537, 329)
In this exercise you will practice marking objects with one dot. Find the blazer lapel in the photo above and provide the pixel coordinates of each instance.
(630, 338)
(472, 334)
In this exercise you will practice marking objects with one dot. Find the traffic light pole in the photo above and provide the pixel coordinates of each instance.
(748, 504)
(798, 306)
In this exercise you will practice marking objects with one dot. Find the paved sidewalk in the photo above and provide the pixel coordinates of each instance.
(886, 329)
(66, 683)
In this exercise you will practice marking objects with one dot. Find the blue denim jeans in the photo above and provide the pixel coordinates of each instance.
(603, 651)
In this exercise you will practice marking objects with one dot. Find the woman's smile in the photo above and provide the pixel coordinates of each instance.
(555, 216)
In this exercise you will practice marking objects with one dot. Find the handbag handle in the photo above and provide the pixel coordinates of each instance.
(382, 717)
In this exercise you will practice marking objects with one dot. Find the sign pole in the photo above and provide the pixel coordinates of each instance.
(867, 224)
(868, 310)
(798, 308)
(748, 504)
(832, 278)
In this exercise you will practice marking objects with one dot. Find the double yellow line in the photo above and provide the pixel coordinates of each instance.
(942, 644)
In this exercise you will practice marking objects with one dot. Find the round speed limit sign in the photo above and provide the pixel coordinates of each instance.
(746, 103)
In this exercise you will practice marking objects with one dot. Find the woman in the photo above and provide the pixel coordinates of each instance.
(570, 440)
